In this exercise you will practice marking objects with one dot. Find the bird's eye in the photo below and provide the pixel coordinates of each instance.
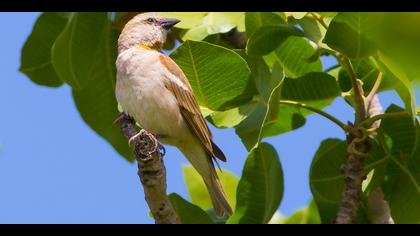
(151, 20)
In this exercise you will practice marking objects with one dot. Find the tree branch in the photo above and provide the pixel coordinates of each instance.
(152, 171)
(357, 150)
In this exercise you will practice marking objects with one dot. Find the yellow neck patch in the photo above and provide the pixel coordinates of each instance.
(148, 47)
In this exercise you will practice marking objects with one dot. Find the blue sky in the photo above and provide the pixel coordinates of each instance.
(55, 169)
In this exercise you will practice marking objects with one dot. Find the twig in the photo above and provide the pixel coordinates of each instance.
(152, 172)
(346, 128)
(374, 90)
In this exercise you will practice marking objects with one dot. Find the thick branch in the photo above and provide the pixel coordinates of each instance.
(357, 150)
(152, 172)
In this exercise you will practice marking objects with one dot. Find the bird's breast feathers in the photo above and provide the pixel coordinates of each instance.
(141, 91)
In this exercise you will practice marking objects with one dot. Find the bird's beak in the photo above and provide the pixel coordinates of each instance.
(168, 23)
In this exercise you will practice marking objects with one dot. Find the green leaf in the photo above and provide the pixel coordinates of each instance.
(201, 24)
(326, 180)
(220, 78)
(311, 87)
(350, 33)
(402, 131)
(96, 101)
(188, 19)
(260, 189)
(198, 191)
(36, 52)
(401, 83)
(267, 38)
(313, 30)
(402, 181)
(254, 20)
(73, 53)
(292, 55)
(255, 127)
(232, 117)
(307, 215)
(187, 212)
(404, 200)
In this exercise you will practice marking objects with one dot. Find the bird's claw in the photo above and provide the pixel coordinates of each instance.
(132, 139)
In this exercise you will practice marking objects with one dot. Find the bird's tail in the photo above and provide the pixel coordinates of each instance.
(218, 196)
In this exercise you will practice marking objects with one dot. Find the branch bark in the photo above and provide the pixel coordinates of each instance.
(151, 171)
(357, 149)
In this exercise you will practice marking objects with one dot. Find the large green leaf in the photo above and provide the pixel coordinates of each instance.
(189, 213)
(201, 24)
(198, 191)
(402, 185)
(73, 53)
(96, 101)
(260, 189)
(36, 53)
(351, 32)
(292, 56)
(313, 86)
(254, 20)
(267, 38)
(220, 78)
(326, 180)
(255, 127)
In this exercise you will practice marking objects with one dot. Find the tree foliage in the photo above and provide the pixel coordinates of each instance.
(262, 90)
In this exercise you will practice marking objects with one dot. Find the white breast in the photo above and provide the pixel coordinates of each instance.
(141, 92)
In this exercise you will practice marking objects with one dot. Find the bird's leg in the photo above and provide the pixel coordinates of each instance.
(121, 116)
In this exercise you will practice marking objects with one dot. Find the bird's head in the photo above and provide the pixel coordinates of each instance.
(145, 29)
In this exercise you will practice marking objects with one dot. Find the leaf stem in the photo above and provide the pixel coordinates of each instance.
(369, 121)
(358, 91)
(374, 90)
(319, 19)
(346, 128)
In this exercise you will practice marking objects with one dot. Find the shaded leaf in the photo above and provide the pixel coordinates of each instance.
(307, 215)
(189, 213)
(254, 20)
(96, 102)
(255, 127)
(311, 87)
(292, 55)
(73, 53)
(219, 77)
(36, 52)
(267, 38)
(260, 189)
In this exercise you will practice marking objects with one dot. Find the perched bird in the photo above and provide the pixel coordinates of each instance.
(153, 90)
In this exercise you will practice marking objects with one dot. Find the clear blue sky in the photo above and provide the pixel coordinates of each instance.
(55, 169)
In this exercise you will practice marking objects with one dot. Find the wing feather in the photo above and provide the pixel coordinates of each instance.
(189, 107)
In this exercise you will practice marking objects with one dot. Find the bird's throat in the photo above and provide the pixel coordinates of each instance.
(156, 46)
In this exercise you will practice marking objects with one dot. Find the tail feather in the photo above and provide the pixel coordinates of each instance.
(218, 196)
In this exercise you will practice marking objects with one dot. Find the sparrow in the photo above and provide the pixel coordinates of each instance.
(153, 90)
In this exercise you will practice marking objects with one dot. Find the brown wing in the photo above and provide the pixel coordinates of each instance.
(189, 107)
